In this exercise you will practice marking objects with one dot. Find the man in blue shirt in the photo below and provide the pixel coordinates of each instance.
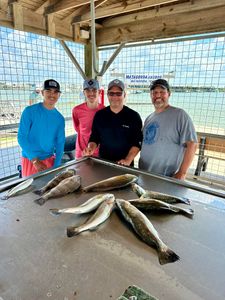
(42, 132)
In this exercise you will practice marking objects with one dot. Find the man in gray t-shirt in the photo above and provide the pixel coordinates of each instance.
(169, 137)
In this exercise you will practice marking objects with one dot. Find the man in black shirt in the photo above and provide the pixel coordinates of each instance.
(117, 129)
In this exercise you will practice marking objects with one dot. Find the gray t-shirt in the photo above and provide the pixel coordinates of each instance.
(164, 138)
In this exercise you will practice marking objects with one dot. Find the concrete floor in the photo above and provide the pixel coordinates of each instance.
(38, 260)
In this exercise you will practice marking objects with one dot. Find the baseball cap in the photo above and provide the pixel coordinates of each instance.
(51, 84)
(159, 82)
(118, 83)
(91, 84)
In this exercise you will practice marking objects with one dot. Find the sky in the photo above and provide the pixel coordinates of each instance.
(26, 57)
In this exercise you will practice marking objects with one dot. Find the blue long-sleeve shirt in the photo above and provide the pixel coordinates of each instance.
(42, 133)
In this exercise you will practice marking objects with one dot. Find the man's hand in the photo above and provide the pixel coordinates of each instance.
(39, 165)
(125, 162)
(87, 152)
(90, 149)
(180, 175)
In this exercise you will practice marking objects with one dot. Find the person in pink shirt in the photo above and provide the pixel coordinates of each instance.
(83, 115)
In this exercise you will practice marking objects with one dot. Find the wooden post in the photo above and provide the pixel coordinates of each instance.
(88, 60)
(17, 16)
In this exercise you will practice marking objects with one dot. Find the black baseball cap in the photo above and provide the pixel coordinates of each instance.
(51, 84)
(159, 82)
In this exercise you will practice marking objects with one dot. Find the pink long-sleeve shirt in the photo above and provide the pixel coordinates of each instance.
(82, 120)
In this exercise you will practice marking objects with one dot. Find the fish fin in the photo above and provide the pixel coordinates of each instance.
(40, 201)
(71, 231)
(167, 256)
(93, 228)
(38, 192)
(55, 211)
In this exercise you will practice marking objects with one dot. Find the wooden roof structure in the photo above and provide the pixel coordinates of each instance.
(115, 21)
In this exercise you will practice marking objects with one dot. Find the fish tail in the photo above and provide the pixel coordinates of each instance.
(55, 211)
(71, 231)
(186, 200)
(40, 201)
(188, 211)
(167, 256)
(38, 192)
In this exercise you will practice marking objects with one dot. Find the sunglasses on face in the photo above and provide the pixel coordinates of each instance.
(118, 94)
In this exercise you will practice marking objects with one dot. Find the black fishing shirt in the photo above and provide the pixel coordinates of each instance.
(116, 133)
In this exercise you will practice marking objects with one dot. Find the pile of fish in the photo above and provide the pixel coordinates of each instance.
(103, 205)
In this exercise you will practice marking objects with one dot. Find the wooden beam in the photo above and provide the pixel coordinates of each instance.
(17, 15)
(36, 23)
(51, 25)
(128, 6)
(186, 7)
(75, 16)
(65, 5)
(88, 60)
(213, 142)
(164, 27)
(40, 10)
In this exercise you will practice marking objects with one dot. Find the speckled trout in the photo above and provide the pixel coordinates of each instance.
(142, 193)
(55, 181)
(154, 204)
(18, 188)
(111, 183)
(66, 186)
(86, 207)
(101, 215)
(144, 228)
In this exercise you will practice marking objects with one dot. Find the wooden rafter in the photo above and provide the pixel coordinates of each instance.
(65, 5)
(118, 21)
(40, 10)
(128, 6)
(166, 26)
(185, 7)
(84, 9)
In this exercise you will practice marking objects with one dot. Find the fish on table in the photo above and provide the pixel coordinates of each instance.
(55, 181)
(154, 204)
(100, 216)
(90, 205)
(142, 193)
(111, 183)
(65, 187)
(18, 188)
(144, 228)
